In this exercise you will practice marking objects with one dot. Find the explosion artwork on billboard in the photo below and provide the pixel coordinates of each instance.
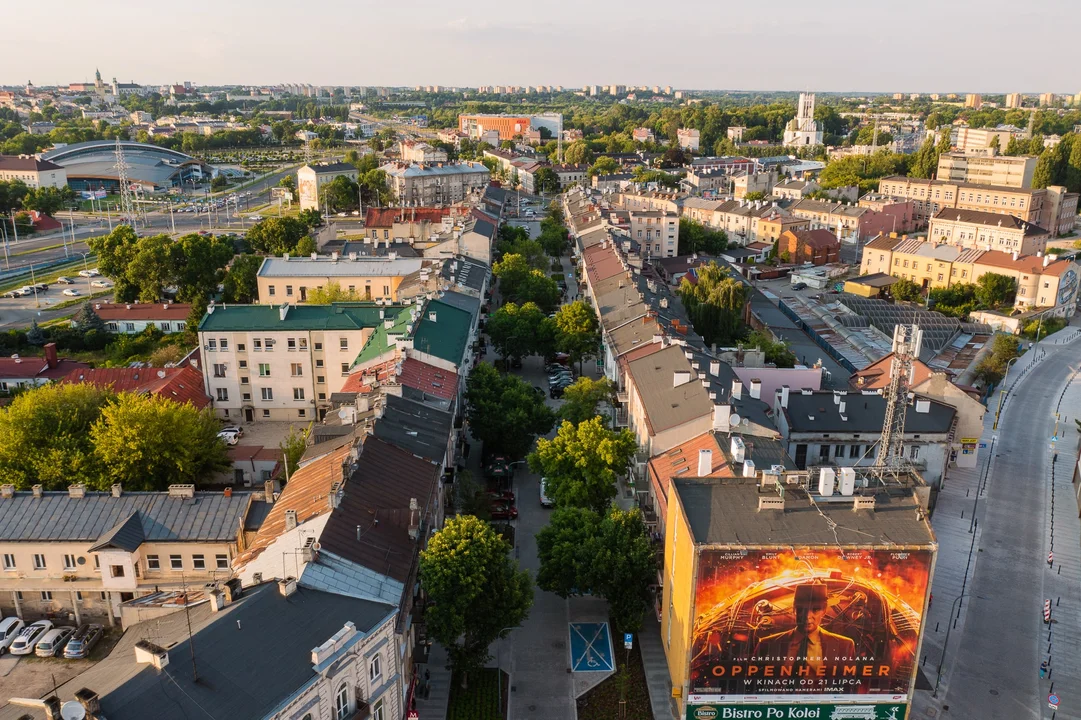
(837, 623)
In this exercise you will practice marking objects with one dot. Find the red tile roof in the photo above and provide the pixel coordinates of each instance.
(112, 312)
(429, 379)
(181, 384)
(386, 217)
(877, 374)
(1024, 263)
(361, 382)
(818, 239)
(682, 461)
(601, 263)
(27, 368)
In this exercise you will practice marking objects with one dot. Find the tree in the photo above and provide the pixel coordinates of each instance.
(220, 182)
(148, 442)
(289, 183)
(115, 252)
(992, 367)
(504, 412)
(755, 195)
(581, 463)
(240, 284)
(715, 304)
(545, 180)
(276, 236)
(198, 264)
(35, 335)
(995, 291)
(342, 193)
(310, 218)
(86, 319)
(694, 237)
(1073, 167)
(864, 170)
(604, 165)
(514, 329)
(553, 237)
(866, 136)
(48, 200)
(581, 398)
(293, 447)
(521, 283)
(475, 589)
(577, 332)
(578, 153)
(531, 250)
(906, 290)
(332, 292)
(776, 352)
(306, 246)
(46, 436)
(925, 161)
(1014, 147)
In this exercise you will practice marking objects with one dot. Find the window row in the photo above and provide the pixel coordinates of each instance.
(176, 562)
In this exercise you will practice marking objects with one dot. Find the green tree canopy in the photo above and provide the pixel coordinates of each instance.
(581, 463)
(504, 412)
(776, 352)
(583, 396)
(86, 319)
(545, 180)
(715, 304)
(240, 284)
(577, 331)
(577, 153)
(331, 292)
(476, 591)
(276, 236)
(521, 283)
(995, 291)
(515, 330)
(694, 237)
(864, 170)
(604, 165)
(148, 442)
(906, 290)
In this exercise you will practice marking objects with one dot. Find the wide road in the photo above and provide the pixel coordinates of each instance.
(1004, 639)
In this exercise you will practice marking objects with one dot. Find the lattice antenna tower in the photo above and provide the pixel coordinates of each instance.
(891, 459)
(308, 152)
(127, 206)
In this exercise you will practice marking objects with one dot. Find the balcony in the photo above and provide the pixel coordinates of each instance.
(364, 710)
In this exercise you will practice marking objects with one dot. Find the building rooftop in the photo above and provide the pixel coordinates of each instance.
(112, 312)
(428, 379)
(447, 336)
(421, 429)
(181, 384)
(386, 217)
(414, 170)
(725, 511)
(339, 316)
(863, 413)
(327, 267)
(979, 217)
(331, 168)
(26, 163)
(667, 405)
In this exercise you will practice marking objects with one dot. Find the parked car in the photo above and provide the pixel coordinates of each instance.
(65, 280)
(83, 640)
(230, 438)
(799, 286)
(9, 630)
(70, 292)
(101, 284)
(498, 496)
(233, 429)
(503, 511)
(556, 391)
(28, 638)
(89, 273)
(52, 641)
(545, 501)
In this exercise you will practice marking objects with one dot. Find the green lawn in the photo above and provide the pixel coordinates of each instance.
(480, 701)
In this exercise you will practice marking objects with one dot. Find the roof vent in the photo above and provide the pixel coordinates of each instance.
(7, 491)
(863, 503)
(116, 490)
(182, 491)
(79, 490)
(147, 653)
(770, 502)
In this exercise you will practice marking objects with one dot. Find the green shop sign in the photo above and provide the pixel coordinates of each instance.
(883, 711)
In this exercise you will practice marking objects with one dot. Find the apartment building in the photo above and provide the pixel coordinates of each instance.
(388, 278)
(413, 151)
(1014, 100)
(744, 221)
(818, 247)
(987, 231)
(1042, 281)
(689, 139)
(85, 553)
(754, 182)
(703, 180)
(1051, 207)
(973, 100)
(311, 179)
(964, 138)
(35, 173)
(657, 231)
(508, 126)
(853, 222)
(570, 174)
(795, 189)
(439, 184)
(1000, 170)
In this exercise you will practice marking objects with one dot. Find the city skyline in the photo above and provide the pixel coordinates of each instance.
(250, 43)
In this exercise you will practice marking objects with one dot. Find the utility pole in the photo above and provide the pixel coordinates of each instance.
(127, 207)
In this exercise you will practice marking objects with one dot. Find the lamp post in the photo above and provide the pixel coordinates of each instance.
(14, 227)
(1002, 392)
(86, 268)
(946, 644)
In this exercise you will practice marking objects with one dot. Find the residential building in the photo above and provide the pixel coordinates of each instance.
(1047, 99)
(769, 228)
(311, 178)
(20, 372)
(642, 135)
(803, 129)
(388, 278)
(707, 180)
(973, 100)
(571, 175)
(181, 383)
(665, 402)
(1000, 170)
(432, 185)
(735, 546)
(744, 183)
(900, 213)
(1014, 100)
(85, 553)
(795, 189)
(735, 133)
(35, 173)
(689, 139)
(416, 224)
(987, 231)
(134, 318)
(818, 247)
(744, 221)
(656, 231)
(413, 151)
(968, 139)
(1052, 207)
(852, 222)
(508, 126)
(614, 183)
(839, 429)
(1042, 282)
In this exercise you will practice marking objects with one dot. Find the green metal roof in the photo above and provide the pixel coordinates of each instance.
(447, 336)
(339, 316)
(379, 341)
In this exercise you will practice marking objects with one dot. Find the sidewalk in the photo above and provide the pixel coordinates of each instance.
(434, 707)
(655, 665)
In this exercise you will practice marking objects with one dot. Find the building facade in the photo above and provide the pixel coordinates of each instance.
(439, 184)
(987, 231)
(35, 173)
(689, 139)
(312, 178)
(657, 231)
(803, 129)
(1000, 170)
(290, 279)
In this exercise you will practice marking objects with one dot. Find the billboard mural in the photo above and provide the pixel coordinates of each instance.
(837, 624)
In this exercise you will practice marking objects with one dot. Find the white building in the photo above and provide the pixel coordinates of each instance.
(803, 129)
(311, 178)
(35, 173)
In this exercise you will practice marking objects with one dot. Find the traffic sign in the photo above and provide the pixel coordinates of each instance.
(1052, 701)
(413, 715)
(628, 640)
(983, 445)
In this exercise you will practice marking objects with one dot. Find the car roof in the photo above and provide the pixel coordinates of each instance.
(8, 622)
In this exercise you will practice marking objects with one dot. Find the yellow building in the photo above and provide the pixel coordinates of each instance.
(744, 557)
(290, 279)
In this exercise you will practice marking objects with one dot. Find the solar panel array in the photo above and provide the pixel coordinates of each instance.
(938, 330)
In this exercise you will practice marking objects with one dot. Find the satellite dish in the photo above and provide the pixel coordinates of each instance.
(344, 413)
(72, 710)
(734, 420)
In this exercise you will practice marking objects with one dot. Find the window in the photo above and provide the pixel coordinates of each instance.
(320, 379)
(116, 571)
(266, 413)
(264, 369)
(269, 343)
(69, 562)
(377, 711)
(375, 669)
(303, 344)
(176, 562)
(824, 452)
(291, 344)
(9, 561)
(153, 562)
(270, 289)
(241, 347)
(243, 364)
(319, 362)
(302, 413)
(79, 595)
(913, 452)
(854, 451)
(46, 595)
(345, 368)
(289, 290)
(940, 277)
(341, 703)
(298, 393)
(343, 343)
(222, 562)
(257, 345)
(130, 327)
(296, 369)
(244, 380)
(165, 327)
(386, 291)
(267, 393)
(212, 345)
(322, 396)
(198, 562)
(318, 346)
(39, 561)
(97, 563)
(219, 370)
(224, 343)
(839, 451)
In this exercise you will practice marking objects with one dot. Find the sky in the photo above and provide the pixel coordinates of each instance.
(821, 45)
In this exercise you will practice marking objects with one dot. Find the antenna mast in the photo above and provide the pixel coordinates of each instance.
(891, 459)
(127, 207)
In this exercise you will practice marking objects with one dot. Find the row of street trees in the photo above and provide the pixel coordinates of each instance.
(519, 331)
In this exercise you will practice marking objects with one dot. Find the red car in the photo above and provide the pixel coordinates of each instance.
(499, 496)
(503, 511)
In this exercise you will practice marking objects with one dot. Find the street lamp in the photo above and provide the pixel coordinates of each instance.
(14, 227)
(1002, 392)
(946, 644)
(86, 268)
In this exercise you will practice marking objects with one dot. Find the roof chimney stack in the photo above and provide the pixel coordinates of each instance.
(756, 389)
(50, 355)
(414, 519)
(705, 462)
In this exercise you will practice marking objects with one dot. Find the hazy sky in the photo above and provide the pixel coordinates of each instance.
(825, 45)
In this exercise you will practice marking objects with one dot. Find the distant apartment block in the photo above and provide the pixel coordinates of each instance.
(966, 138)
(689, 139)
(1014, 100)
(1001, 170)
(974, 101)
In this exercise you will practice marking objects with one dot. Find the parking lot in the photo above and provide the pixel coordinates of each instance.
(33, 677)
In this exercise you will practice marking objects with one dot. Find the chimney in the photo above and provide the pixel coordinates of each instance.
(414, 519)
(749, 469)
(784, 396)
(89, 700)
(705, 462)
(1046, 260)
(737, 389)
(334, 497)
(1014, 254)
(7, 491)
(50, 355)
(738, 449)
(182, 491)
(756, 389)
(38, 490)
(283, 311)
(117, 488)
(841, 407)
(287, 587)
(268, 491)
(147, 653)
(51, 706)
(77, 491)
(290, 519)
(680, 377)
(714, 367)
